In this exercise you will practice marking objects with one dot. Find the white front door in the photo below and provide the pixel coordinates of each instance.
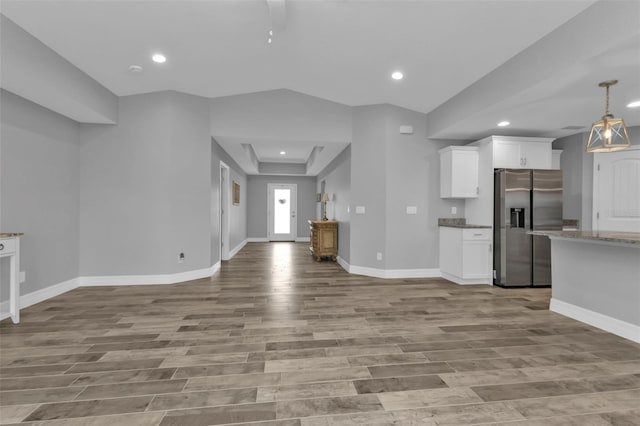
(281, 212)
(616, 191)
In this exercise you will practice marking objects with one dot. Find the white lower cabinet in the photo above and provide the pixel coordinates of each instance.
(466, 255)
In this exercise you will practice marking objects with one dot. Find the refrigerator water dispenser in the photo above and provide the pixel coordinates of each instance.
(517, 217)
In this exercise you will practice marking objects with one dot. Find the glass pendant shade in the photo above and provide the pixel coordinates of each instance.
(610, 133)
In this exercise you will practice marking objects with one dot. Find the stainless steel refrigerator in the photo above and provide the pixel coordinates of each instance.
(525, 200)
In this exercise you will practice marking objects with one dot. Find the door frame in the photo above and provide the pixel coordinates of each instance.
(224, 210)
(595, 207)
(294, 205)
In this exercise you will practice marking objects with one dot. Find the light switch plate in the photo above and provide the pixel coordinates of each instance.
(454, 210)
(406, 130)
(412, 210)
(23, 277)
(360, 210)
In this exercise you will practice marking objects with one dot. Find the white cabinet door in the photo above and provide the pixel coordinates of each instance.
(521, 155)
(465, 255)
(459, 172)
(506, 155)
(476, 257)
(535, 155)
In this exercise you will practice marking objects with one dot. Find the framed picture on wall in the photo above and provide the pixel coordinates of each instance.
(236, 193)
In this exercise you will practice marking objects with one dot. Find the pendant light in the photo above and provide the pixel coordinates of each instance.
(610, 133)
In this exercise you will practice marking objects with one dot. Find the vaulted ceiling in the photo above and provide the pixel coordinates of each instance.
(466, 64)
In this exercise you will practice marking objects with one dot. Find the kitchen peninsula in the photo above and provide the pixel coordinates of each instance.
(596, 279)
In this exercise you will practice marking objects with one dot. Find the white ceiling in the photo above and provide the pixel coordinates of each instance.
(341, 50)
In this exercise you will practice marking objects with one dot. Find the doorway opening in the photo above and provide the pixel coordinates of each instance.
(282, 202)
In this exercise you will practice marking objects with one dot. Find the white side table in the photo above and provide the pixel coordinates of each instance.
(10, 247)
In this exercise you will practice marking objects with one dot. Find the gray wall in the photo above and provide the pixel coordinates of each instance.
(190, 184)
(368, 186)
(389, 172)
(281, 115)
(577, 174)
(145, 188)
(337, 179)
(413, 179)
(237, 214)
(35, 72)
(572, 162)
(257, 203)
(39, 175)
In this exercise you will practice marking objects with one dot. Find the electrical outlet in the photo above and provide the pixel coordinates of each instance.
(454, 210)
(23, 277)
(379, 256)
(181, 258)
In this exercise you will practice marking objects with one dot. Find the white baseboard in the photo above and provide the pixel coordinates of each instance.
(394, 273)
(257, 240)
(116, 280)
(388, 273)
(413, 273)
(237, 249)
(466, 281)
(40, 296)
(345, 265)
(604, 322)
(266, 240)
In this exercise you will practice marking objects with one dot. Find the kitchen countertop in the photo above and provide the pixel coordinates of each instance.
(608, 236)
(10, 234)
(458, 223)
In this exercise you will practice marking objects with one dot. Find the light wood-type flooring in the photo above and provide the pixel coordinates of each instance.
(275, 338)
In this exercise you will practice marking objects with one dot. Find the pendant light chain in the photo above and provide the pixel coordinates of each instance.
(606, 114)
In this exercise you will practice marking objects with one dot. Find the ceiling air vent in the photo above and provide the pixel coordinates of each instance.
(573, 128)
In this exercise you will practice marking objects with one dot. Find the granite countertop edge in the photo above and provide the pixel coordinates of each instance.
(632, 238)
(466, 225)
(10, 234)
(456, 222)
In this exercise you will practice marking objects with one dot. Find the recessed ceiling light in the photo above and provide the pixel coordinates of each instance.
(159, 58)
(503, 124)
(135, 68)
(283, 152)
(397, 75)
(634, 104)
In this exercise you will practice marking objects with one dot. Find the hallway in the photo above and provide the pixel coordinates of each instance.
(277, 338)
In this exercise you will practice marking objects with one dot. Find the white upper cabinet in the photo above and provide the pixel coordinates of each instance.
(459, 172)
(521, 154)
(506, 155)
(536, 155)
(503, 152)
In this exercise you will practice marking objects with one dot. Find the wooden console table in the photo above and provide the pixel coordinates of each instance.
(10, 247)
(324, 239)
